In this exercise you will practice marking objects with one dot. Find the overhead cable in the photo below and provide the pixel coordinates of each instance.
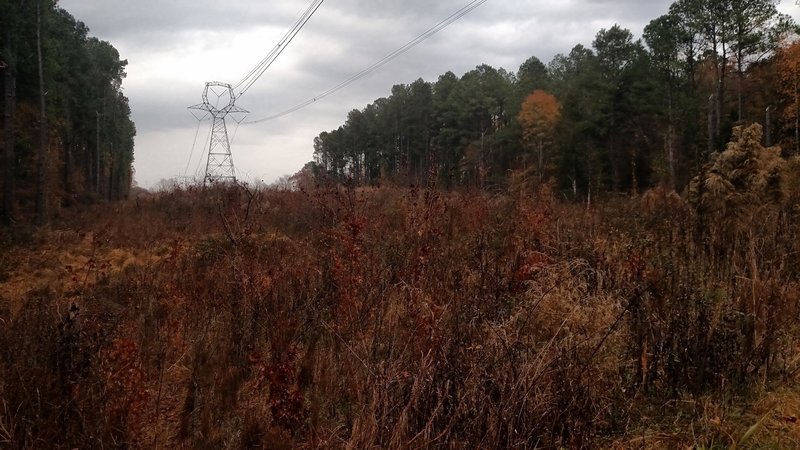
(380, 63)
(271, 54)
(194, 143)
(249, 80)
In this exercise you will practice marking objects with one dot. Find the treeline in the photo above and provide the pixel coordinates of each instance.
(67, 133)
(623, 115)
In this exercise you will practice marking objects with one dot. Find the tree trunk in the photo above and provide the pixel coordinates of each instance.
(41, 178)
(768, 127)
(615, 169)
(88, 167)
(97, 156)
(713, 124)
(721, 88)
(796, 118)
(575, 187)
(711, 143)
(541, 160)
(110, 182)
(740, 69)
(67, 159)
(719, 95)
(9, 158)
(634, 169)
(718, 104)
(670, 149)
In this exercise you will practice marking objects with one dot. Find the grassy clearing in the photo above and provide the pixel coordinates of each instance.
(399, 318)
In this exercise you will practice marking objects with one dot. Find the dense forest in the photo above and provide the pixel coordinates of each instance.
(621, 116)
(67, 133)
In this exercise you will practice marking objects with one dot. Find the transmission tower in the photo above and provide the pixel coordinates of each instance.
(219, 166)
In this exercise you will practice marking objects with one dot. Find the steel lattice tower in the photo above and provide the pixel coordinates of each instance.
(219, 166)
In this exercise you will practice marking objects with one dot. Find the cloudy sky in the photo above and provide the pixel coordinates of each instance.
(174, 47)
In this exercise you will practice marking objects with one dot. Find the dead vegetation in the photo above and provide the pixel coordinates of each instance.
(393, 318)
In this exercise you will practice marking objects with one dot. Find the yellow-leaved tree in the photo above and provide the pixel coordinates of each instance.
(539, 118)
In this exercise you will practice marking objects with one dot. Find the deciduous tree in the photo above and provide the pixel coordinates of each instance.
(789, 72)
(539, 116)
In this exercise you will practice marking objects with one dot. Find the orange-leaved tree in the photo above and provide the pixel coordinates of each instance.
(538, 118)
(789, 72)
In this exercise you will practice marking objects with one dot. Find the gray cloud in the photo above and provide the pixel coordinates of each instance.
(173, 47)
(125, 19)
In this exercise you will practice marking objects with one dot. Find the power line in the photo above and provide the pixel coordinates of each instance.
(380, 63)
(265, 63)
(200, 160)
(194, 144)
(271, 54)
(236, 130)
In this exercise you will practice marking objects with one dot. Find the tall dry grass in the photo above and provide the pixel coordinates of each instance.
(391, 318)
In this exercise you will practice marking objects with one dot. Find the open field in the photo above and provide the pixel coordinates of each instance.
(400, 318)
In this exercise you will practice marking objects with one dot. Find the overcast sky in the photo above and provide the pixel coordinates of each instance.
(174, 47)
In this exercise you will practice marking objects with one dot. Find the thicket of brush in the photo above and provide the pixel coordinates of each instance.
(407, 318)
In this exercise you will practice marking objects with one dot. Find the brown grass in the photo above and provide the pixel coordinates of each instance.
(388, 318)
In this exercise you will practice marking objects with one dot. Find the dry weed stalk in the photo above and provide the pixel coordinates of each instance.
(353, 318)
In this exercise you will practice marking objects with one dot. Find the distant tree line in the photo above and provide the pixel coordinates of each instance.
(67, 134)
(620, 116)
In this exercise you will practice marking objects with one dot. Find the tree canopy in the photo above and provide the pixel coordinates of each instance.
(631, 113)
(67, 131)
